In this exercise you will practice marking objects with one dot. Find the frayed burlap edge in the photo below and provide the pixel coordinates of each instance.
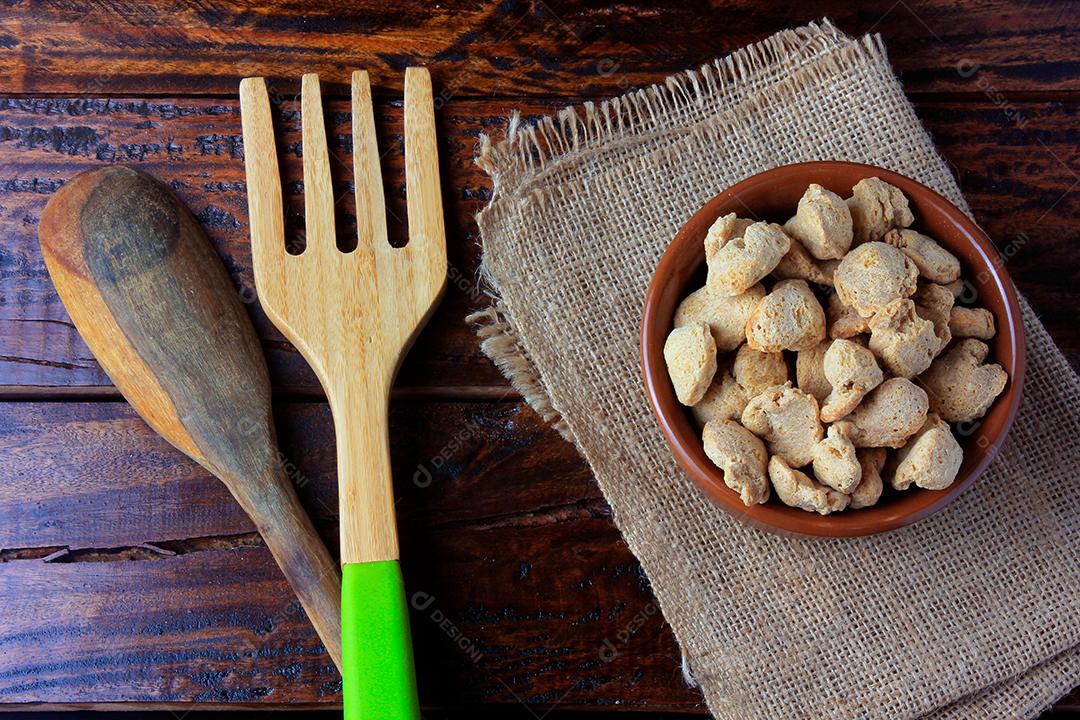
(525, 151)
(499, 342)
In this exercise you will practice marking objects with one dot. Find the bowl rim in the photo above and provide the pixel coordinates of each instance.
(773, 516)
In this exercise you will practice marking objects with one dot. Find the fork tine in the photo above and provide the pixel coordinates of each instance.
(263, 181)
(427, 234)
(318, 188)
(367, 176)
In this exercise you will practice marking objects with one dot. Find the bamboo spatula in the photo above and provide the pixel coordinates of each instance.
(353, 316)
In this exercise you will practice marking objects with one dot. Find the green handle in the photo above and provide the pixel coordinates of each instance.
(376, 647)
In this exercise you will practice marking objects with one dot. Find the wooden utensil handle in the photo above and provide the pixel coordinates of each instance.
(365, 484)
(299, 551)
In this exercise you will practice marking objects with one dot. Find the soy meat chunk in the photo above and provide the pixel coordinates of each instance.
(852, 372)
(971, 323)
(905, 343)
(797, 489)
(798, 264)
(877, 207)
(739, 256)
(756, 370)
(724, 400)
(741, 455)
(960, 386)
(843, 320)
(930, 459)
(724, 230)
(889, 415)
(787, 419)
(690, 354)
(788, 318)
(935, 263)
(873, 275)
(726, 315)
(835, 461)
(868, 491)
(822, 223)
(934, 303)
(810, 371)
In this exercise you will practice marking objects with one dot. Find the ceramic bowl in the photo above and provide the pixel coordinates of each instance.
(773, 195)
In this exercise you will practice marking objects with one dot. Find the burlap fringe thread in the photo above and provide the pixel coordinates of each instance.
(499, 342)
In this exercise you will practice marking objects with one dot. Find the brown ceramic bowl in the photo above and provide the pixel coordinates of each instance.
(773, 195)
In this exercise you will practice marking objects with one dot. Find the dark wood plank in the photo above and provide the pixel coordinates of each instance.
(496, 712)
(456, 463)
(1017, 163)
(220, 626)
(519, 47)
(183, 617)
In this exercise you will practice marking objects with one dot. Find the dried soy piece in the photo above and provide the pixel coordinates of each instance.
(797, 264)
(742, 457)
(873, 275)
(756, 370)
(822, 224)
(788, 318)
(971, 323)
(868, 491)
(835, 460)
(797, 489)
(739, 260)
(690, 354)
(852, 372)
(843, 320)
(787, 419)
(935, 263)
(889, 415)
(726, 315)
(905, 343)
(724, 400)
(960, 386)
(810, 371)
(935, 303)
(930, 459)
(877, 207)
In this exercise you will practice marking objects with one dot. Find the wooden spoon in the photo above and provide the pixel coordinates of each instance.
(153, 301)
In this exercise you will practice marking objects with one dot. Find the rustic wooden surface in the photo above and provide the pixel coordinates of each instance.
(129, 575)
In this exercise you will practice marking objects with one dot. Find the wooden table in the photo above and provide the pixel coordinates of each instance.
(130, 577)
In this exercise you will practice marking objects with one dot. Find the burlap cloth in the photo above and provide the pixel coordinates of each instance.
(974, 612)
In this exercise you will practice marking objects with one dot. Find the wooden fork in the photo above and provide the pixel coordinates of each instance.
(353, 316)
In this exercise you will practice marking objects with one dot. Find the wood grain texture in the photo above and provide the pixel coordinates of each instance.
(156, 307)
(457, 463)
(1020, 180)
(519, 47)
(485, 492)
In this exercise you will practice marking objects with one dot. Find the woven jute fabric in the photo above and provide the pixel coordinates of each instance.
(974, 612)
